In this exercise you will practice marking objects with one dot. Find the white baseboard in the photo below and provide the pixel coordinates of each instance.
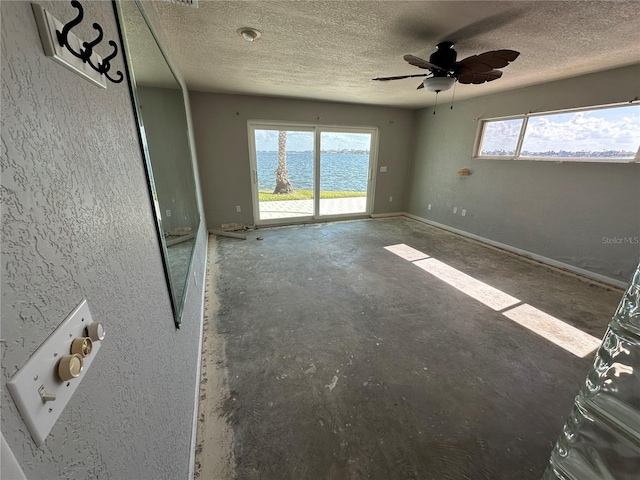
(10, 468)
(223, 233)
(534, 256)
(383, 215)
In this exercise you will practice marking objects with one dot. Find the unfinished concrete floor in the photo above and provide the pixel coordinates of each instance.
(345, 361)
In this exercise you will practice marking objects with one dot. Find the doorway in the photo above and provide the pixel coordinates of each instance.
(308, 173)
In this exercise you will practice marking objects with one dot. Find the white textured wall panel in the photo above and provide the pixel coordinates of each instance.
(77, 223)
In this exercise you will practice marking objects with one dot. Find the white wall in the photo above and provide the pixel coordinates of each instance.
(220, 128)
(560, 211)
(77, 223)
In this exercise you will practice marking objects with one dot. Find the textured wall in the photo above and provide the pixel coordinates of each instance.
(557, 210)
(220, 131)
(77, 223)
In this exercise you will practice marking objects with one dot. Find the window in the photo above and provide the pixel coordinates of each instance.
(500, 138)
(610, 134)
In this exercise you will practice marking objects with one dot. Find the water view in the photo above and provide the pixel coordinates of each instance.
(339, 171)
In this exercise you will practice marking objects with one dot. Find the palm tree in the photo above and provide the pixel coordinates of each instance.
(283, 186)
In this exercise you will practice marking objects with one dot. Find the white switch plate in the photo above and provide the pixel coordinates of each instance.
(238, 209)
(455, 209)
(47, 26)
(383, 169)
(464, 212)
(41, 370)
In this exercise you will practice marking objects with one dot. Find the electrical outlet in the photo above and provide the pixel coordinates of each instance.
(429, 207)
(38, 389)
(464, 212)
(391, 199)
(455, 210)
(168, 212)
(383, 169)
(238, 209)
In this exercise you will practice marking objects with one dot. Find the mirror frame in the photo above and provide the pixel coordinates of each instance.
(177, 305)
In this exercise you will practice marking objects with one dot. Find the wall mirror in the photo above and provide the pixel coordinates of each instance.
(163, 130)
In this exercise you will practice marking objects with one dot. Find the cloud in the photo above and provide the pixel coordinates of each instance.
(267, 140)
(501, 135)
(596, 130)
(591, 131)
(339, 140)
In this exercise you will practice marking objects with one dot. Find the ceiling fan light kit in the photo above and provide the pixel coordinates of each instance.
(438, 84)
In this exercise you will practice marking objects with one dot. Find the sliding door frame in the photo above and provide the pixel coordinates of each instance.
(317, 129)
(252, 126)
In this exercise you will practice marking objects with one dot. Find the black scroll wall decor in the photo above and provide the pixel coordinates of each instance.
(86, 51)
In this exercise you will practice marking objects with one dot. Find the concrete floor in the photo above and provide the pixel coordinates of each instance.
(345, 361)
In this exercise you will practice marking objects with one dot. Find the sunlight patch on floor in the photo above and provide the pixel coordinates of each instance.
(562, 334)
(491, 297)
(551, 328)
(406, 252)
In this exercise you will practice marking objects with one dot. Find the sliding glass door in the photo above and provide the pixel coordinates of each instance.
(302, 173)
(345, 169)
(283, 170)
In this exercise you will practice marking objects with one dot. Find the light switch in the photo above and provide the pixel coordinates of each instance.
(81, 346)
(43, 386)
(96, 332)
(69, 367)
(383, 169)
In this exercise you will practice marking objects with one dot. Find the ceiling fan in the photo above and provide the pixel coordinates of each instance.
(445, 71)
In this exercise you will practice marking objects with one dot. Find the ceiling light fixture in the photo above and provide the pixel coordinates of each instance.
(438, 84)
(249, 34)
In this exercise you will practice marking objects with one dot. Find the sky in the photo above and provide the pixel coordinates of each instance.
(267, 140)
(595, 130)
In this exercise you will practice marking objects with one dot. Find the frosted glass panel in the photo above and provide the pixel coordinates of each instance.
(601, 439)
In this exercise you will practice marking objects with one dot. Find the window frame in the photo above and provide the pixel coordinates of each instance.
(479, 139)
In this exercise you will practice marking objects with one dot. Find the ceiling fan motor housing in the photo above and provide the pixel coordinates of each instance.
(444, 57)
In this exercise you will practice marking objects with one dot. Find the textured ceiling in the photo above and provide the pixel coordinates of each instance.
(331, 50)
(149, 66)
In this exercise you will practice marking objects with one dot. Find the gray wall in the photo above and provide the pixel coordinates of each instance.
(164, 125)
(220, 123)
(77, 223)
(561, 211)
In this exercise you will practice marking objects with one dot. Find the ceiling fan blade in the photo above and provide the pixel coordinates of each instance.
(469, 77)
(400, 77)
(481, 27)
(421, 28)
(485, 62)
(419, 62)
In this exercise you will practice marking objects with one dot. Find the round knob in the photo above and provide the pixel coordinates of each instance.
(96, 331)
(82, 346)
(70, 366)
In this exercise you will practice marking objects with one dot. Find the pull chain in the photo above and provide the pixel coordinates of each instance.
(454, 95)
(436, 105)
